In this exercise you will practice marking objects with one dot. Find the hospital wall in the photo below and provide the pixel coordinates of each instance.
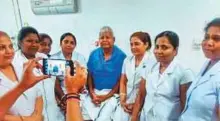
(186, 17)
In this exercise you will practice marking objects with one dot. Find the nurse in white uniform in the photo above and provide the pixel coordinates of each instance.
(30, 104)
(45, 44)
(28, 43)
(67, 43)
(203, 96)
(133, 67)
(168, 81)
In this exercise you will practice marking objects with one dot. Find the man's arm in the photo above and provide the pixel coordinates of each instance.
(90, 84)
(115, 89)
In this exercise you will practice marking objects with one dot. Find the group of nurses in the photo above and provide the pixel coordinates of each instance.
(40, 98)
(169, 95)
(10, 75)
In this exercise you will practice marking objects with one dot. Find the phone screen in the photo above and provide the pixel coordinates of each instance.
(56, 67)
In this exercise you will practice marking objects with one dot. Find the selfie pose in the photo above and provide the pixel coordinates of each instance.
(10, 77)
(14, 91)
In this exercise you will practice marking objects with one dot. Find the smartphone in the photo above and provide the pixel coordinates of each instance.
(57, 67)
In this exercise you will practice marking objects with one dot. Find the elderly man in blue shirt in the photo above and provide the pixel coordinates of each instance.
(104, 66)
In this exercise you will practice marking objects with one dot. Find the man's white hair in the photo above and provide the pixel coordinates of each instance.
(105, 29)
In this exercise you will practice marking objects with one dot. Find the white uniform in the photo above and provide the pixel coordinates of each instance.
(51, 111)
(162, 102)
(25, 104)
(203, 95)
(134, 75)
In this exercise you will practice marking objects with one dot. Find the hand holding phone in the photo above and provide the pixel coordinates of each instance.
(74, 84)
(57, 67)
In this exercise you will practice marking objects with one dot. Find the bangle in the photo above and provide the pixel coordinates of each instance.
(68, 96)
(63, 98)
(122, 94)
(72, 95)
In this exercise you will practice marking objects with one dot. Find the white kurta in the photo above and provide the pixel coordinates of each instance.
(134, 75)
(51, 111)
(103, 112)
(25, 104)
(162, 102)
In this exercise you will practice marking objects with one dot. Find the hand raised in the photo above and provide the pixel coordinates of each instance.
(29, 79)
(74, 84)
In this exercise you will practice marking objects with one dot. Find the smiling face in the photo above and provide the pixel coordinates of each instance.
(138, 48)
(45, 46)
(29, 45)
(211, 43)
(6, 51)
(164, 50)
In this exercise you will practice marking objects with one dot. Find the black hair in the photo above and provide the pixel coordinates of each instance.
(25, 31)
(67, 34)
(214, 22)
(43, 36)
(144, 37)
(171, 36)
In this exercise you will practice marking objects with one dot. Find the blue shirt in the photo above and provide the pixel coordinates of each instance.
(203, 96)
(105, 73)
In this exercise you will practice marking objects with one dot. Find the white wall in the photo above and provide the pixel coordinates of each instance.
(8, 19)
(186, 17)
